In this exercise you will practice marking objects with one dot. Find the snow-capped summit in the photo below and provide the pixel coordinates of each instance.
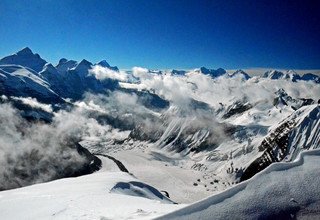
(292, 75)
(240, 73)
(26, 58)
(82, 69)
(49, 67)
(273, 74)
(64, 65)
(289, 75)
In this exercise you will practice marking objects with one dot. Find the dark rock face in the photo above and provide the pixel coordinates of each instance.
(237, 108)
(275, 147)
(92, 163)
(311, 77)
(212, 72)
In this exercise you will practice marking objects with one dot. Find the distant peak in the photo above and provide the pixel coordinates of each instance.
(104, 63)
(63, 60)
(83, 65)
(85, 62)
(48, 65)
(25, 51)
(292, 72)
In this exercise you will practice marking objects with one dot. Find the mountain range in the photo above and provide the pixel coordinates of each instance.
(26, 72)
(159, 139)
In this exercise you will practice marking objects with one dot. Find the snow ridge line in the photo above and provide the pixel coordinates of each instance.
(207, 202)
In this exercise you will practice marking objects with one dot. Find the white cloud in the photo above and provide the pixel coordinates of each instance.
(33, 102)
(102, 73)
(140, 72)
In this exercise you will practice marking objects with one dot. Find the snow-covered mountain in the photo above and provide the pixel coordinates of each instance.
(189, 134)
(16, 80)
(26, 58)
(291, 75)
(240, 73)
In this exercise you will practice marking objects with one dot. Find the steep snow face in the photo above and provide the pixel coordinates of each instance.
(306, 134)
(282, 191)
(285, 141)
(26, 58)
(274, 74)
(19, 81)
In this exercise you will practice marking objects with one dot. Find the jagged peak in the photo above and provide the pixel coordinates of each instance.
(212, 72)
(273, 74)
(281, 92)
(83, 65)
(291, 72)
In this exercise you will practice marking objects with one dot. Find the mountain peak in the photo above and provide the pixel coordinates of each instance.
(212, 72)
(85, 63)
(26, 58)
(104, 63)
(25, 51)
(241, 73)
(62, 60)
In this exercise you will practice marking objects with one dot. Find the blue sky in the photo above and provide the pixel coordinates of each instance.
(166, 34)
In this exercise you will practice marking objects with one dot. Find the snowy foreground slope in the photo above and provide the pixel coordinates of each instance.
(102, 195)
(282, 191)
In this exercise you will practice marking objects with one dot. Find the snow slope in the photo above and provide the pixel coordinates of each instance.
(282, 191)
(20, 81)
(94, 196)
